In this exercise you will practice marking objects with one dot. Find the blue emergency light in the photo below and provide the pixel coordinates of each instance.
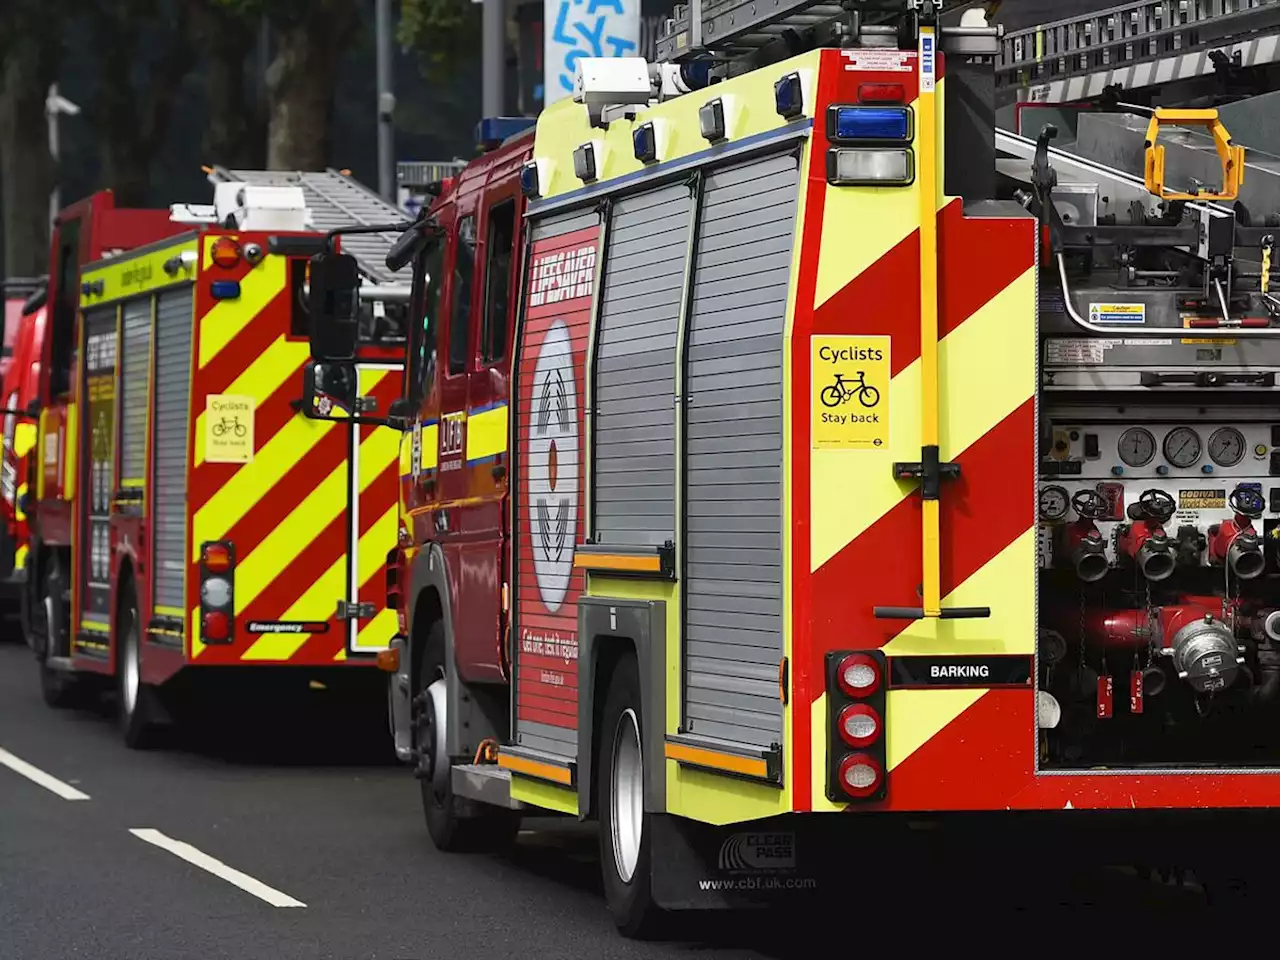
(869, 124)
(224, 289)
(492, 131)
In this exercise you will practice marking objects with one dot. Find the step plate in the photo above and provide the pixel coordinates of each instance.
(485, 783)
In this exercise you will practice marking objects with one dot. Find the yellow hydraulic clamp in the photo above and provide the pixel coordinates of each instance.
(1232, 156)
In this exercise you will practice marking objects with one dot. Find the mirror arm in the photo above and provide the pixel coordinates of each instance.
(398, 227)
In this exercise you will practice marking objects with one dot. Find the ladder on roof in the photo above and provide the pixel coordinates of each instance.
(1101, 43)
(742, 29)
(335, 200)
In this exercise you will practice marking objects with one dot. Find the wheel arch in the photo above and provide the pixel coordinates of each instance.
(610, 631)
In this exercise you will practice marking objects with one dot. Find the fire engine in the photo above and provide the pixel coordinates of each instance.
(191, 525)
(768, 454)
(91, 229)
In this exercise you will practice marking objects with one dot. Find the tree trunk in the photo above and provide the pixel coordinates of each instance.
(300, 85)
(236, 136)
(26, 167)
(134, 123)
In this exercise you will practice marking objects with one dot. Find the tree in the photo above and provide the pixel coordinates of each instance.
(30, 45)
(236, 134)
(136, 95)
(310, 36)
(445, 33)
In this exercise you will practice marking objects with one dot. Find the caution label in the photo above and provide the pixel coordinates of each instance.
(1202, 499)
(1133, 314)
(849, 392)
(228, 428)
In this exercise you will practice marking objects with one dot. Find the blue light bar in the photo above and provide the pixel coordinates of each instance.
(866, 124)
(491, 131)
(225, 289)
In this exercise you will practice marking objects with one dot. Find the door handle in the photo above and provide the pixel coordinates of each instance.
(1208, 378)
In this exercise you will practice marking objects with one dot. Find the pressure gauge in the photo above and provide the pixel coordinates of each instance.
(1226, 446)
(1136, 446)
(1053, 503)
(1182, 447)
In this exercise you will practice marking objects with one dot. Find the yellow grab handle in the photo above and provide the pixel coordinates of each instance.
(1232, 156)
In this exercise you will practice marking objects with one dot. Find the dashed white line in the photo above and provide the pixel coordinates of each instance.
(219, 869)
(36, 775)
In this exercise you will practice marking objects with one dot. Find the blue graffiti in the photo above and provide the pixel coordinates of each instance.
(588, 37)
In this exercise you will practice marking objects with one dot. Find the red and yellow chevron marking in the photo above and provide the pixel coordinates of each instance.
(857, 532)
(286, 511)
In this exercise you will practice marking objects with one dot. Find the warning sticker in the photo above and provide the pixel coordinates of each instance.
(1202, 499)
(849, 392)
(1215, 342)
(928, 63)
(1132, 314)
(1072, 351)
(892, 61)
(228, 428)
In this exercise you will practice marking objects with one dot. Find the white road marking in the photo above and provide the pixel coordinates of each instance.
(36, 775)
(219, 869)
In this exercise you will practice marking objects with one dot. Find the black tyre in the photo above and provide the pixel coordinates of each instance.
(59, 688)
(136, 711)
(625, 828)
(455, 824)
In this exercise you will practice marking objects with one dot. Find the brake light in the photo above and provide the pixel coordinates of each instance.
(857, 743)
(860, 775)
(859, 725)
(859, 675)
(225, 253)
(217, 591)
(215, 625)
(881, 93)
(217, 557)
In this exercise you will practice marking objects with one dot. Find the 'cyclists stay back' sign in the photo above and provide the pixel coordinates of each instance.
(849, 393)
(228, 428)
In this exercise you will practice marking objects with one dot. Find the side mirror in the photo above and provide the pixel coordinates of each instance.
(329, 391)
(334, 306)
(405, 249)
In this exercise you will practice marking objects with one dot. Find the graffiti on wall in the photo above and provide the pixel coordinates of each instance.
(585, 28)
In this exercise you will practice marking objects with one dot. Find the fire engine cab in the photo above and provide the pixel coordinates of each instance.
(769, 452)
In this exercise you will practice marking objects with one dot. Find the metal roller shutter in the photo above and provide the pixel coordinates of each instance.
(135, 365)
(733, 435)
(633, 428)
(174, 321)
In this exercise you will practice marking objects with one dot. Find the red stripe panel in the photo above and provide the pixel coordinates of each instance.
(982, 512)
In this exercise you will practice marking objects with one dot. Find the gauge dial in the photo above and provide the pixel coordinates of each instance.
(1053, 503)
(1226, 446)
(1182, 447)
(1136, 446)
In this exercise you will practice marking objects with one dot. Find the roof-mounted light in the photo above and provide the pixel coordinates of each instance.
(711, 120)
(788, 96)
(584, 162)
(491, 132)
(644, 141)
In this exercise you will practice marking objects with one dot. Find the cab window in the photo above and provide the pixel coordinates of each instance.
(425, 306)
(464, 268)
(497, 278)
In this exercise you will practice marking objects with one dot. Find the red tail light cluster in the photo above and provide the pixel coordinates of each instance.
(217, 592)
(856, 695)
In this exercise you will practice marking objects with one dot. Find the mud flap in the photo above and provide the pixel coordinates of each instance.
(761, 864)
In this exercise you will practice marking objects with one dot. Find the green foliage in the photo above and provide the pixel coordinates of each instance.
(443, 32)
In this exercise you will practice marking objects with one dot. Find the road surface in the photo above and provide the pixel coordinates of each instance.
(293, 844)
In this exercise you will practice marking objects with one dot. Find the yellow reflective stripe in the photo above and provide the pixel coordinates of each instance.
(168, 611)
(255, 479)
(228, 317)
(487, 433)
(69, 460)
(263, 377)
(377, 633)
(406, 454)
(20, 557)
(134, 273)
(18, 512)
(24, 438)
(378, 449)
(95, 627)
(430, 446)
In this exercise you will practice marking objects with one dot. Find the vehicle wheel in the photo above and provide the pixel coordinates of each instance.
(136, 710)
(625, 834)
(58, 687)
(454, 824)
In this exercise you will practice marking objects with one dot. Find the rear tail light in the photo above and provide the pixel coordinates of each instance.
(225, 252)
(857, 764)
(861, 775)
(881, 93)
(870, 167)
(216, 626)
(217, 592)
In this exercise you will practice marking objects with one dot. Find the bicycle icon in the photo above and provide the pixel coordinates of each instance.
(230, 423)
(842, 391)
